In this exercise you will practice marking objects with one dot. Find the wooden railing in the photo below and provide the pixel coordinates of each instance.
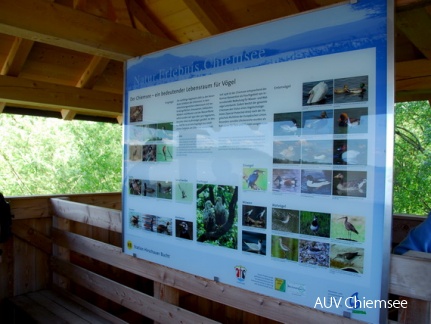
(74, 242)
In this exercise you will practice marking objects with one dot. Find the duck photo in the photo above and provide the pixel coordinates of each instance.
(317, 122)
(287, 124)
(316, 182)
(351, 89)
(286, 180)
(350, 183)
(351, 120)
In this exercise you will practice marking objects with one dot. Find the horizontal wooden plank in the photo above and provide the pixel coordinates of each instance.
(40, 206)
(39, 94)
(32, 236)
(92, 215)
(40, 21)
(272, 308)
(139, 302)
(409, 276)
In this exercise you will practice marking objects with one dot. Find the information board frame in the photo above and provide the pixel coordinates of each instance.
(262, 158)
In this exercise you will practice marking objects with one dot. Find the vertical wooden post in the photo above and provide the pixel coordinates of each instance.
(167, 294)
(60, 252)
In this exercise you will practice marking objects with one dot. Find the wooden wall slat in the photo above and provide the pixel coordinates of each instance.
(40, 206)
(139, 302)
(92, 215)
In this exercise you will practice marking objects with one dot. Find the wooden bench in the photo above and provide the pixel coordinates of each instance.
(82, 250)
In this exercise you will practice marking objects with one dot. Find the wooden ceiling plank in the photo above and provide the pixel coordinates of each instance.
(412, 69)
(41, 21)
(92, 72)
(34, 94)
(208, 16)
(146, 20)
(416, 25)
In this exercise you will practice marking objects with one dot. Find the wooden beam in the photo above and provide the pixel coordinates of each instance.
(16, 57)
(2, 106)
(67, 114)
(95, 216)
(62, 26)
(93, 71)
(208, 16)
(416, 25)
(146, 20)
(47, 95)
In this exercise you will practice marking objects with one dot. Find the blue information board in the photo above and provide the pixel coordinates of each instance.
(261, 158)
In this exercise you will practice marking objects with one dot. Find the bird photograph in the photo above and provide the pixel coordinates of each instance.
(136, 113)
(347, 258)
(351, 152)
(165, 131)
(184, 192)
(164, 225)
(316, 182)
(348, 228)
(317, 152)
(149, 153)
(316, 224)
(135, 152)
(317, 93)
(255, 179)
(351, 89)
(351, 121)
(285, 220)
(149, 222)
(134, 220)
(183, 229)
(254, 216)
(287, 124)
(164, 153)
(314, 253)
(164, 189)
(254, 242)
(286, 152)
(284, 248)
(286, 180)
(350, 183)
(135, 187)
(217, 215)
(149, 188)
(318, 122)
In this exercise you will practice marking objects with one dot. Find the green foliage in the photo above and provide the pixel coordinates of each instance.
(50, 156)
(412, 153)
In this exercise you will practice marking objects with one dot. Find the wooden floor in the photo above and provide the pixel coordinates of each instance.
(47, 306)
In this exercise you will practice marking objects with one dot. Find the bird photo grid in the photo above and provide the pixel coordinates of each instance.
(317, 151)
